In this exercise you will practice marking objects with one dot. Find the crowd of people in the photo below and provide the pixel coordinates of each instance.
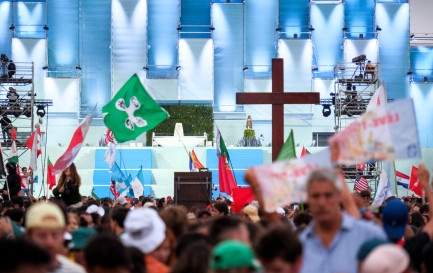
(336, 230)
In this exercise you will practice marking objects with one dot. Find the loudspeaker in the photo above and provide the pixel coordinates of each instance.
(193, 189)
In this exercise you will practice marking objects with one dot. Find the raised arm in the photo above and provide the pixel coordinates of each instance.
(424, 177)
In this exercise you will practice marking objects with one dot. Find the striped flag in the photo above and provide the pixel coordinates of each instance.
(361, 184)
(402, 179)
(109, 137)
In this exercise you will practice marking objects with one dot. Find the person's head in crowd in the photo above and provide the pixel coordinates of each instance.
(301, 221)
(416, 220)
(219, 209)
(426, 218)
(22, 256)
(233, 257)
(120, 201)
(7, 205)
(204, 215)
(228, 228)
(424, 209)
(280, 251)
(386, 258)
(427, 261)
(80, 237)
(84, 199)
(250, 214)
(187, 239)
(193, 259)
(394, 219)
(366, 197)
(117, 219)
(145, 230)
(73, 222)
(18, 202)
(69, 174)
(324, 195)
(366, 248)
(106, 254)
(45, 226)
(16, 215)
(416, 208)
(195, 210)
(136, 260)
(162, 203)
(175, 219)
(11, 167)
(170, 203)
(136, 203)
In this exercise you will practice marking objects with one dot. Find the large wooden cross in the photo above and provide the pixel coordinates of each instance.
(278, 98)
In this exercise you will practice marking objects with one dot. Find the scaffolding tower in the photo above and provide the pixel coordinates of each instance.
(355, 84)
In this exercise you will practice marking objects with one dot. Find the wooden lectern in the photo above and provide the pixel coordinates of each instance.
(193, 189)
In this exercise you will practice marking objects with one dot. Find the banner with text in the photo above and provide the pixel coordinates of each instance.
(380, 135)
(283, 182)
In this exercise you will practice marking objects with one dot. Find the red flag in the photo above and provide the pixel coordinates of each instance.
(13, 134)
(226, 180)
(304, 152)
(113, 190)
(29, 142)
(195, 161)
(361, 167)
(74, 147)
(21, 178)
(361, 184)
(109, 137)
(241, 197)
(414, 185)
(50, 177)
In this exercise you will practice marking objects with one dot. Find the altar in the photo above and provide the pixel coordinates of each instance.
(179, 139)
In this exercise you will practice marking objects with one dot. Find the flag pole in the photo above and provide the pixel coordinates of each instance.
(395, 177)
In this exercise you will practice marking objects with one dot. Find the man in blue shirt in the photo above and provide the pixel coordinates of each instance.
(331, 242)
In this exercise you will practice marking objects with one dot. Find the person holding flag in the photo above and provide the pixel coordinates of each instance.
(12, 184)
(26, 180)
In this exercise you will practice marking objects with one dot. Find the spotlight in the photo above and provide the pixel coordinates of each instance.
(245, 68)
(179, 28)
(278, 29)
(295, 36)
(78, 67)
(345, 28)
(27, 111)
(146, 68)
(412, 36)
(361, 36)
(378, 28)
(315, 68)
(212, 28)
(311, 28)
(326, 112)
(425, 79)
(12, 27)
(46, 27)
(40, 111)
(177, 67)
(410, 72)
(45, 67)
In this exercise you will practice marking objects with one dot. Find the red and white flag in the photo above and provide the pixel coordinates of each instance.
(109, 137)
(402, 179)
(361, 184)
(414, 185)
(34, 144)
(74, 147)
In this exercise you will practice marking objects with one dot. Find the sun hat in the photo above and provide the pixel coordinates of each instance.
(45, 215)
(252, 212)
(144, 229)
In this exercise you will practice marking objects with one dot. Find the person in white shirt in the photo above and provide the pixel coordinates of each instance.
(26, 180)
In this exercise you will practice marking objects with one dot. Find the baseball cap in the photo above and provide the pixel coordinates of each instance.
(387, 258)
(80, 237)
(394, 216)
(144, 229)
(95, 209)
(252, 212)
(45, 215)
(232, 254)
(368, 246)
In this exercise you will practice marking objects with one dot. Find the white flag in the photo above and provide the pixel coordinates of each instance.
(382, 191)
(110, 154)
(137, 184)
(378, 100)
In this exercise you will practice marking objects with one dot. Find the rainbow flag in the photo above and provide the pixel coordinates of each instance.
(194, 163)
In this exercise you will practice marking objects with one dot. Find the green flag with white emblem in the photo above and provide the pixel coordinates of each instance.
(132, 111)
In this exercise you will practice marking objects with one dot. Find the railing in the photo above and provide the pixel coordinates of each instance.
(257, 71)
(421, 75)
(294, 32)
(29, 31)
(63, 71)
(21, 75)
(162, 71)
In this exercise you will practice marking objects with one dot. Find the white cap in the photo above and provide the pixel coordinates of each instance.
(95, 209)
(281, 211)
(144, 229)
(120, 200)
(387, 258)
